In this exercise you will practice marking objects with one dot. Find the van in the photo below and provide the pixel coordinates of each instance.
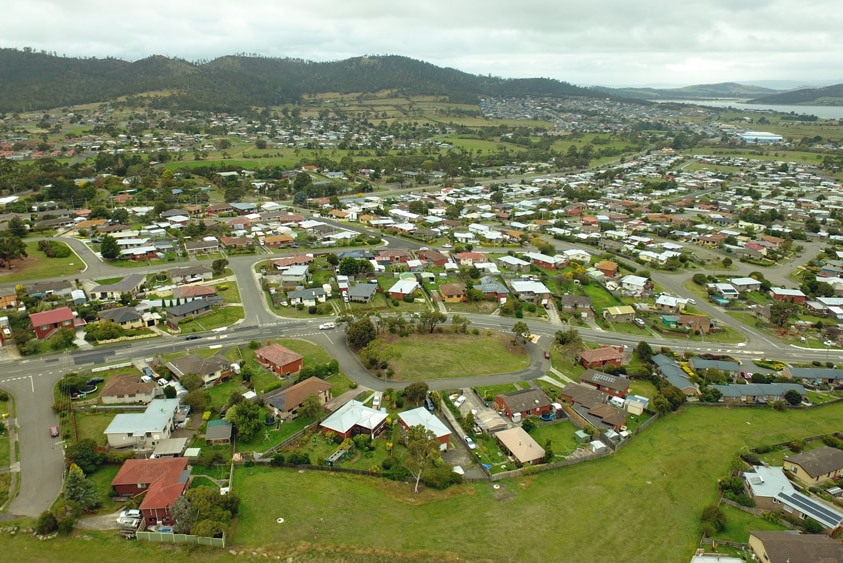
(429, 405)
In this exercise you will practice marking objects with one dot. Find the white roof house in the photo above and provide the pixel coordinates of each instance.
(771, 482)
(143, 431)
(404, 287)
(422, 417)
(354, 414)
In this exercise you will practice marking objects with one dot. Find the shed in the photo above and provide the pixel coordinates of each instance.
(582, 436)
(218, 432)
(597, 446)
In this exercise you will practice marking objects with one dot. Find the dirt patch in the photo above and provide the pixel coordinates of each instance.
(18, 266)
(403, 492)
(503, 493)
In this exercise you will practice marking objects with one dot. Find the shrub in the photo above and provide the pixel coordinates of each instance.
(65, 526)
(714, 516)
(751, 458)
(298, 458)
(46, 523)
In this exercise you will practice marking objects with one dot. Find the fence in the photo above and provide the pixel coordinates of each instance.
(113, 366)
(180, 539)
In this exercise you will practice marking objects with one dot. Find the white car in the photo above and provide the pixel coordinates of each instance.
(692, 301)
(470, 443)
(447, 246)
(327, 326)
(131, 513)
(460, 400)
(376, 402)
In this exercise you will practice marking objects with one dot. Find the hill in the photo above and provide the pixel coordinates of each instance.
(696, 92)
(826, 96)
(31, 81)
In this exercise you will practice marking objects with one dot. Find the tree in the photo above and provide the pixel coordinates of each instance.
(46, 523)
(246, 418)
(84, 455)
(170, 392)
(218, 266)
(644, 351)
(360, 332)
(521, 330)
(109, 249)
(429, 319)
(80, 489)
(191, 381)
(17, 227)
(302, 182)
(416, 392)
(422, 449)
(714, 516)
(782, 311)
(11, 248)
(460, 323)
(311, 408)
(196, 399)
(727, 262)
(793, 397)
(349, 266)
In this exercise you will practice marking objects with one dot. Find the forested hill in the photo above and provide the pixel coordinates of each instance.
(31, 80)
(829, 95)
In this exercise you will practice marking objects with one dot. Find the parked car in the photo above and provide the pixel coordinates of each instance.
(429, 404)
(376, 402)
(163, 382)
(639, 321)
(470, 443)
(54, 431)
(459, 401)
(148, 371)
(131, 513)
(692, 301)
(547, 354)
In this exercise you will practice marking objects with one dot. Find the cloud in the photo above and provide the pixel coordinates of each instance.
(600, 42)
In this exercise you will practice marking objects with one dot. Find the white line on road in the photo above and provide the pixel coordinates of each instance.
(32, 381)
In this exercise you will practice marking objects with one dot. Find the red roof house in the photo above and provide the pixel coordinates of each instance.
(603, 356)
(163, 480)
(278, 359)
(46, 323)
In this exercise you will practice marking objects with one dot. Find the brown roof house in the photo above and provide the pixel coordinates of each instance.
(127, 389)
(278, 359)
(601, 357)
(524, 403)
(163, 480)
(213, 370)
(287, 401)
(610, 384)
(453, 292)
(793, 547)
(815, 466)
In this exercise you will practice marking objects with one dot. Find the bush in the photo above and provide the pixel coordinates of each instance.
(713, 515)
(46, 523)
(440, 477)
(298, 458)
(65, 526)
(277, 459)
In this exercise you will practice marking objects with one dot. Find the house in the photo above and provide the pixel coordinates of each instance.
(697, 324)
(218, 433)
(355, 418)
(190, 292)
(788, 295)
(513, 263)
(757, 393)
(670, 304)
(131, 284)
(634, 284)
(613, 385)
(190, 274)
(520, 445)
(46, 323)
(602, 357)
(532, 291)
(590, 406)
(126, 317)
(731, 369)
(127, 389)
(279, 360)
(188, 311)
(831, 376)
(403, 288)
(295, 275)
(204, 246)
(279, 240)
(619, 314)
(468, 259)
(544, 261)
(815, 466)
(8, 298)
(491, 287)
(523, 403)
(771, 490)
(745, 284)
(793, 547)
(429, 421)
(163, 480)
(432, 257)
(143, 431)
(453, 292)
(213, 370)
(578, 305)
(675, 375)
(726, 291)
(362, 292)
(608, 268)
(288, 400)
(308, 297)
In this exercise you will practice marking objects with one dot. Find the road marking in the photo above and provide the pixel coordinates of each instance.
(32, 381)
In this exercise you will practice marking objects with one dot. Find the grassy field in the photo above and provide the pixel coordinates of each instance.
(455, 356)
(223, 316)
(657, 486)
(91, 424)
(37, 266)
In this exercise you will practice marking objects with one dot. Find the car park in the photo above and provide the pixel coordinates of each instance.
(54, 431)
(470, 443)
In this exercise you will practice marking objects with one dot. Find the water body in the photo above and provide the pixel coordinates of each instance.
(824, 112)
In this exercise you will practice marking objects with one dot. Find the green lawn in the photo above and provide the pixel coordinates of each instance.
(600, 298)
(658, 484)
(38, 266)
(740, 523)
(223, 316)
(92, 424)
(561, 436)
(489, 392)
(438, 356)
(102, 478)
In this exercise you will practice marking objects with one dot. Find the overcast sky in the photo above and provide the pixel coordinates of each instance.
(605, 42)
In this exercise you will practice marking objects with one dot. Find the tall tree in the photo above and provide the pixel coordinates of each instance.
(11, 248)
(430, 319)
(80, 489)
(109, 249)
(246, 417)
(416, 392)
(311, 408)
(422, 449)
(17, 227)
(360, 332)
(521, 330)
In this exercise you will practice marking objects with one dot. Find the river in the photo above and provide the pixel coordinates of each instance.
(824, 112)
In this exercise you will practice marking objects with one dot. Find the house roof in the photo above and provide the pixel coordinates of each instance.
(404, 287)
(166, 479)
(422, 417)
(620, 310)
(722, 365)
(771, 482)
(816, 373)
(525, 400)
(602, 354)
(791, 546)
(520, 444)
(585, 395)
(278, 355)
(120, 315)
(219, 431)
(290, 398)
(190, 307)
(362, 290)
(193, 363)
(155, 418)
(126, 385)
(51, 317)
(613, 382)
(354, 413)
(127, 284)
(759, 389)
(821, 461)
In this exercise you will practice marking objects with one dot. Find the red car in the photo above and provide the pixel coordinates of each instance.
(54, 431)
(547, 355)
